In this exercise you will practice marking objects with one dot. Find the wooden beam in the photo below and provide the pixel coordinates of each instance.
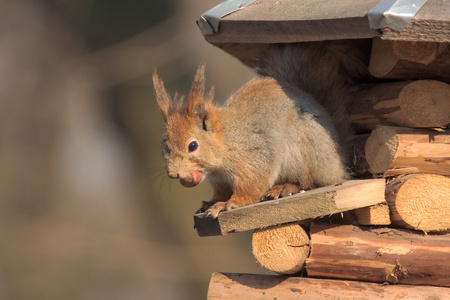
(300, 207)
(254, 286)
(379, 255)
(398, 151)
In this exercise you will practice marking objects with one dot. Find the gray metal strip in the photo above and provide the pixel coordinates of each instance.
(210, 20)
(393, 14)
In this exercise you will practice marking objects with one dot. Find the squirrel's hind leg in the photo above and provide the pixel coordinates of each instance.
(281, 191)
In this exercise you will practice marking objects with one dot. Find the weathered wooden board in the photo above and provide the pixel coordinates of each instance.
(253, 286)
(300, 207)
(430, 24)
(272, 21)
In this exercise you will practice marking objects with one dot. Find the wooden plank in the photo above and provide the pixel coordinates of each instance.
(254, 286)
(300, 207)
(430, 24)
(379, 255)
(270, 21)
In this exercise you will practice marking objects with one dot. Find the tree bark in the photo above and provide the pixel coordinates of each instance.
(421, 103)
(379, 255)
(410, 60)
(252, 286)
(397, 151)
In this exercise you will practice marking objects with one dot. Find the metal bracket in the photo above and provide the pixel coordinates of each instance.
(210, 20)
(393, 14)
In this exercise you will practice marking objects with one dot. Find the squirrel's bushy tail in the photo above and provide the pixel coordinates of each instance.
(328, 70)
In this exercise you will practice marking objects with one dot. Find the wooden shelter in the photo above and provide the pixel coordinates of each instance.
(401, 156)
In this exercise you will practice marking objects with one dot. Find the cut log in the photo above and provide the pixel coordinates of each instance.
(254, 286)
(303, 207)
(397, 151)
(420, 202)
(410, 60)
(421, 103)
(373, 215)
(282, 249)
(379, 255)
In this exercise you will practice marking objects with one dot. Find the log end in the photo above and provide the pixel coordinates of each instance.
(373, 215)
(426, 103)
(380, 148)
(282, 249)
(420, 202)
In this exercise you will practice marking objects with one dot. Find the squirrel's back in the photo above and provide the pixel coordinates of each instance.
(328, 70)
(284, 128)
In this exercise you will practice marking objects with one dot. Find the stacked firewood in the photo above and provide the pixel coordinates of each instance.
(391, 224)
(409, 143)
(405, 140)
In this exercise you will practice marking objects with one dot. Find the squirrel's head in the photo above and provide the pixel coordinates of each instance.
(192, 143)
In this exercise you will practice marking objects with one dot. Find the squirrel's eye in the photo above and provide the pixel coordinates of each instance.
(193, 146)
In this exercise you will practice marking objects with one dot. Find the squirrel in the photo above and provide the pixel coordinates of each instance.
(273, 137)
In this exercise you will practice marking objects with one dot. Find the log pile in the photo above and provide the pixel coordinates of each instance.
(403, 138)
(384, 255)
(401, 238)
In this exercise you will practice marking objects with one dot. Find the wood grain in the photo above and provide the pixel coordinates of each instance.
(431, 24)
(373, 215)
(398, 150)
(420, 103)
(270, 287)
(270, 21)
(379, 255)
(410, 60)
(300, 207)
(282, 249)
(420, 202)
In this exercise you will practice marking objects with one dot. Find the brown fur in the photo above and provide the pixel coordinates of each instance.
(270, 132)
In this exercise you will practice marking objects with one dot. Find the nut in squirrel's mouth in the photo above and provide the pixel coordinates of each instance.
(192, 179)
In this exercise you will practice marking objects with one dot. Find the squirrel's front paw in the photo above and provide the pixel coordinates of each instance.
(215, 209)
(281, 191)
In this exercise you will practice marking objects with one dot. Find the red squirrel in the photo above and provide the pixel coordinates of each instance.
(273, 137)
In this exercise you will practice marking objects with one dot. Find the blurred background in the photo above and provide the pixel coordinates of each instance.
(86, 210)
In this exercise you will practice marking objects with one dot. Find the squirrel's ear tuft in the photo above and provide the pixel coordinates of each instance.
(162, 97)
(202, 116)
(198, 90)
(199, 107)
